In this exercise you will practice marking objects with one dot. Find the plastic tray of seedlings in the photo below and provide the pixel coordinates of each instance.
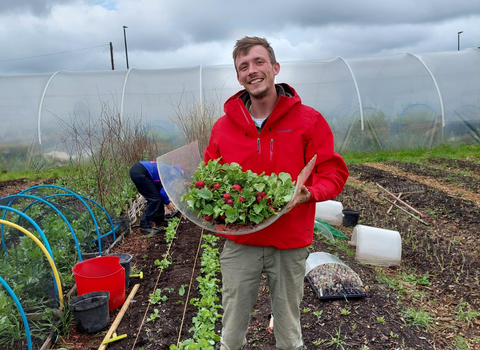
(331, 279)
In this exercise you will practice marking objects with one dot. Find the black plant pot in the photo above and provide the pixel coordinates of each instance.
(90, 311)
(350, 217)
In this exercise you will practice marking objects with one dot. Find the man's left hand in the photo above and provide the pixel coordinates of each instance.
(303, 196)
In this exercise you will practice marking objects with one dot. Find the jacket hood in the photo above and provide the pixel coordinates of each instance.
(235, 107)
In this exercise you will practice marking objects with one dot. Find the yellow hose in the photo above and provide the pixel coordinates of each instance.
(44, 250)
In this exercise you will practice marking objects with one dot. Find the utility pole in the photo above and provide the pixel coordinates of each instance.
(125, 39)
(111, 55)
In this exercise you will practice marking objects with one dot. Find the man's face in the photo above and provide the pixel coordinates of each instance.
(256, 73)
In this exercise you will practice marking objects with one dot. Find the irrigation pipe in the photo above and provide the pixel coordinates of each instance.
(190, 287)
(108, 337)
(155, 287)
(47, 255)
(20, 310)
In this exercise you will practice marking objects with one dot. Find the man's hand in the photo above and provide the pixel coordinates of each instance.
(170, 206)
(303, 196)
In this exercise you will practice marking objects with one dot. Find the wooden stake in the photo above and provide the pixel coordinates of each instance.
(395, 201)
(119, 317)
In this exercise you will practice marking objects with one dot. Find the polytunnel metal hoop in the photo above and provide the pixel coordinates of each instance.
(50, 205)
(20, 309)
(81, 200)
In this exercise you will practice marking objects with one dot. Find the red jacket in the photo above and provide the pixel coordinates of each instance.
(290, 137)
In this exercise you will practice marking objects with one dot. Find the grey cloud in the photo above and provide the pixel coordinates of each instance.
(37, 7)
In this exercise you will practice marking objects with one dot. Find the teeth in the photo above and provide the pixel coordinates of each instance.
(255, 81)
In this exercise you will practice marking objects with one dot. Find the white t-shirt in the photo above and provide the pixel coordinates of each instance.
(258, 121)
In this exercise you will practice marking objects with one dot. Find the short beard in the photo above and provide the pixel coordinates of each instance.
(260, 94)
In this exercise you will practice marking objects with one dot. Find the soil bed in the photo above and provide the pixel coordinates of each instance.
(439, 276)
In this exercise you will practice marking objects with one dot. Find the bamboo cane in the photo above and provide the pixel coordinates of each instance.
(399, 200)
(119, 317)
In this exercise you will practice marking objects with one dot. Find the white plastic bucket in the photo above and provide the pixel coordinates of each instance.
(329, 211)
(377, 246)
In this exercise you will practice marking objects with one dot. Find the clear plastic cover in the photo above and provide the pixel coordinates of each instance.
(176, 171)
(330, 278)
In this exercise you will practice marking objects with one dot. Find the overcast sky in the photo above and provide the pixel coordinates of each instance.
(39, 36)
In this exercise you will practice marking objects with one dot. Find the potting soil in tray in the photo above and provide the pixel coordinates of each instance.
(336, 294)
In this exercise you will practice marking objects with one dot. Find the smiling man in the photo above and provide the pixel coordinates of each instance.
(267, 129)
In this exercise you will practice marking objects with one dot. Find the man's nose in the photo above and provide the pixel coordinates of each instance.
(252, 69)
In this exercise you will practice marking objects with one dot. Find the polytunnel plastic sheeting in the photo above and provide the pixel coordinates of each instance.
(19, 102)
(176, 171)
(78, 98)
(157, 97)
(218, 84)
(329, 87)
(458, 77)
(400, 104)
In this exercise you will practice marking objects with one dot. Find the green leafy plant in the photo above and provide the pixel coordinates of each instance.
(223, 193)
(157, 297)
(154, 316)
(204, 336)
(181, 290)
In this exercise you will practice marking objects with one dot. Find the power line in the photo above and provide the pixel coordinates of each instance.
(88, 65)
(51, 54)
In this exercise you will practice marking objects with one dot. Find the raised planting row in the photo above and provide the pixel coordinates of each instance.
(447, 176)
(457, 164)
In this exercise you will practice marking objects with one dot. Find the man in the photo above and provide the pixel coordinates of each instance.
(267, 129)
(145, 176)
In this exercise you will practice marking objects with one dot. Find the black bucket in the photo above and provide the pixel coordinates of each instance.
(125, 262)
(90, 311)
(350, 217)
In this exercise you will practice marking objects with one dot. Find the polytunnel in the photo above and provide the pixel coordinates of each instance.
(45, 230)
(385, 102)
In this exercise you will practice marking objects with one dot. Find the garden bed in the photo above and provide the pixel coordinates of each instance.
(431, 301)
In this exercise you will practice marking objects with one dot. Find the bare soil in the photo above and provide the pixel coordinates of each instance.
(439, 273)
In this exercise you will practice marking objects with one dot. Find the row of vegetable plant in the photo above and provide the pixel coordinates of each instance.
(204, 336)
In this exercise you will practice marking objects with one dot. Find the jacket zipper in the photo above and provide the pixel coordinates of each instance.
(271, 150)
(258, 145)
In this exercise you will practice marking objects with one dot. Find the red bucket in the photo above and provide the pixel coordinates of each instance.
(103, 273)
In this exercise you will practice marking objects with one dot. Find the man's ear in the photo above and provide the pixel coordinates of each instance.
(276, 68)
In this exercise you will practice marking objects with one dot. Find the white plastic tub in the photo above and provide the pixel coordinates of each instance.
(329, 211)
(377, 246)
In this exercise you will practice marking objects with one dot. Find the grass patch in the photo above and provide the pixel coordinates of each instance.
(414, 155)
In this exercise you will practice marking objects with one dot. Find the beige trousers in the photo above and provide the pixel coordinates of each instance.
(242, 267)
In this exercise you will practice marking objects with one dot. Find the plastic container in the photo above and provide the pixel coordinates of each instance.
(90, 311)
(332, 279)
(125, 260)
(377, 246)
(329, 211)
(103, 273)
(350, 217)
